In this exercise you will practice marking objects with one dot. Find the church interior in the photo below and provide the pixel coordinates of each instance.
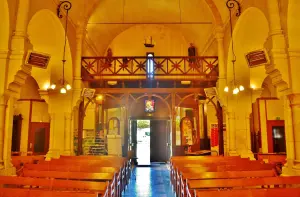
(133, 98)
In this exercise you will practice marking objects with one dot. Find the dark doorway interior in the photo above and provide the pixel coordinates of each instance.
(159, 140)
(16, 134)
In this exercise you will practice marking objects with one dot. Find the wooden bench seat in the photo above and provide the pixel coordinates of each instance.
(71, 168)
(275, 192)
(18, 192)
(181, 183)
(54, 184)
(223, 168)
(69, 175)
(240, 183)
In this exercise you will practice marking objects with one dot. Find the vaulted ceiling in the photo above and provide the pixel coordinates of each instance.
(105, 18)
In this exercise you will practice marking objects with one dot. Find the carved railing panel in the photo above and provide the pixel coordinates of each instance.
(133, 68)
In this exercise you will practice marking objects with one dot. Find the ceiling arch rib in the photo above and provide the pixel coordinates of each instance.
(195, 19)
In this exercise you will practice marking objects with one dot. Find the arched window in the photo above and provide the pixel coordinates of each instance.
(150, 65)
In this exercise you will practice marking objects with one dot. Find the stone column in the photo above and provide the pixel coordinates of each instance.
(9, 169)
(51, 151)
(276, 45)
(248, 136)
(3, 105)
(67, 129)
(201, 120)
(4, 68)
(289, 136)
(295, 107)
(19, 39)
(232, 134)
(222, 68)
(77, 83)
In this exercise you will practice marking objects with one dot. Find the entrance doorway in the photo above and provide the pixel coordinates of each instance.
(38, 139)
(143, 142)
(150, 140)
(276, 136)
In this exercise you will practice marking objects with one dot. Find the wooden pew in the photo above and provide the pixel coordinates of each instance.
(127, 164)
(19, 161)
(81, 168)
(275, 192)
(204, 157)
(218, 168)
(18, 192)
(105, 161)
(71, 168)
(69, 175)
(180, 185)
(176, 160)
(222, 168)
(54, 184)
(216, 184)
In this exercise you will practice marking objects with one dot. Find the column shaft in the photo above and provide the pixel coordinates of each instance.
(2, 126)
(232, 134)
(67, 128)
(295, 106)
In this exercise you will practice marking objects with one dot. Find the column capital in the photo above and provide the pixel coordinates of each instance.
(294, 99)
(4, 99)
(294, 53)
(4, 54)
(219, 33)
(44, 95)
(231, 115)
(52, 116)
(256, 93)
(68, 116)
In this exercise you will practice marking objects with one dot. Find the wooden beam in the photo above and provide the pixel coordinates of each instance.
(148, 90)
(152, 23)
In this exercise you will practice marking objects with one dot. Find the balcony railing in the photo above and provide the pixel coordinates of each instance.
(135, 68)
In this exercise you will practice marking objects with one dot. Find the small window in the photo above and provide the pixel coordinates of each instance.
(150, 65)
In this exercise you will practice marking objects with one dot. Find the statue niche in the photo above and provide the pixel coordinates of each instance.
(114, 126)
(186, 129)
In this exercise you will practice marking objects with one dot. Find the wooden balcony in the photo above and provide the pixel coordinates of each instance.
(135, 68)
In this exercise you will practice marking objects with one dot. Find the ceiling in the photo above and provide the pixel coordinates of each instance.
(98, 12)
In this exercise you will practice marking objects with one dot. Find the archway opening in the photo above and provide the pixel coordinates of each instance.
(31, 124)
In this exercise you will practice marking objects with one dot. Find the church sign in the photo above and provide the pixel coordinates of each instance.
(257, 58)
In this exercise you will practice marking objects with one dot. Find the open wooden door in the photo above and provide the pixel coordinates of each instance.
(16, 135)
(276, 136)
(159, 144)
(38, 138)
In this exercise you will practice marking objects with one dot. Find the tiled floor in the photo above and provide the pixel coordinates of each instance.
(151, 181)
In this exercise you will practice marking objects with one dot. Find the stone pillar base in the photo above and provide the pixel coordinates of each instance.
(8, 171)
(233, 153)
(249, 154)
(67, 153)
(52, 154)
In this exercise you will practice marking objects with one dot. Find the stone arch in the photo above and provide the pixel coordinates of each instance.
(153, 95)
(244, 42)
(4, 26)
(211, 4)
(293, 24)
(46, 34)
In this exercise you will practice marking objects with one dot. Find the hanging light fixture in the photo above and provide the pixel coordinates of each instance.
(62, 84)
(234, 86)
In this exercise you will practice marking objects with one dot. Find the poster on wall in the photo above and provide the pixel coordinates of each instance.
(214, 135)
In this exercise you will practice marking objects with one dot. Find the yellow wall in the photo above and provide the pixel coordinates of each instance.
(266, 110)
(40, 112)
(168, 41)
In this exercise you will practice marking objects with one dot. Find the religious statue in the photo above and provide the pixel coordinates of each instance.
(186, 128)
(192, 53)
(109, 58)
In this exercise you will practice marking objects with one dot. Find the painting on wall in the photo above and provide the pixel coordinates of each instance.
(186, 128)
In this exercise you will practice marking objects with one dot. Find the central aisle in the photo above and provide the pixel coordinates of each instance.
(151, 181)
